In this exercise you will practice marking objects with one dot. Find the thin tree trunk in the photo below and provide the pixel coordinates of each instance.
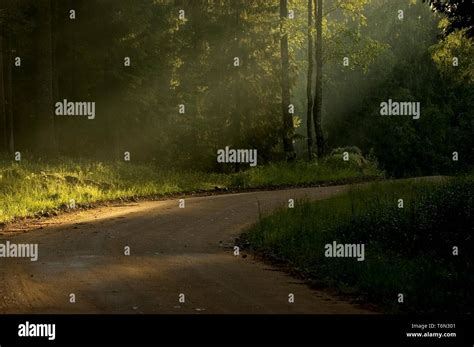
(318, 96)
(285, 85)
(309, 82)
(3, 115)
(237, 128)
(54, 57)
(45, 78)
(9, 93)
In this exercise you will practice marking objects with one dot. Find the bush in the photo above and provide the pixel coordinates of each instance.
(356, 159)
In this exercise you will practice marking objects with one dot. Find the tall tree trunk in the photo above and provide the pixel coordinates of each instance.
(54, 57)
(318, 96)
(9, 92)
(309, 82)
(3, 115)
(45, 79)
(285, 85)
(237, 117)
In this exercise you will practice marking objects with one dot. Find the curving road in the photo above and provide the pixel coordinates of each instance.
(172, 251)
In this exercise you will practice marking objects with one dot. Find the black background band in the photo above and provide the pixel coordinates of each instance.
(237, 329)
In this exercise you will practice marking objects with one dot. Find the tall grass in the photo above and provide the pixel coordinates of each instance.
(408, 250)
(302, 173)
(38, 188)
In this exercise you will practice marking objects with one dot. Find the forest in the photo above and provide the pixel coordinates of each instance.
(319, 123)
(172, 82)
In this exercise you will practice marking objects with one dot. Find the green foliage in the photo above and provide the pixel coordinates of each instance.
(407, 250)
(36, 188)
(415, 67)
(190, 61)
(458, 15)
(355, 159)
(455, 45)
(303, 173)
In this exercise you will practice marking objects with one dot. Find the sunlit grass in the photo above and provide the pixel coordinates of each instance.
(34, 188)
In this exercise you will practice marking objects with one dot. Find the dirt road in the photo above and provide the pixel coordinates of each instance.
(172, 250)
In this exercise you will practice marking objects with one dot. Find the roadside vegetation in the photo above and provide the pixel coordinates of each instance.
(39, 189)
(408, 250)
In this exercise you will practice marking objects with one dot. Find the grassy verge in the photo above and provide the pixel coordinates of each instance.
(35, 188)
(408, 250)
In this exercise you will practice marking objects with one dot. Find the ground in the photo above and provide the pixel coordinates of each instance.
(173, 251)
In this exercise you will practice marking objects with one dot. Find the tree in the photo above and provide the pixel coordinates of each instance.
(309, 82)
(285, 85)
(318, 97)
(8, 89)
(6, 84)
(3, 115)
(45, 78)
(459, 13)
